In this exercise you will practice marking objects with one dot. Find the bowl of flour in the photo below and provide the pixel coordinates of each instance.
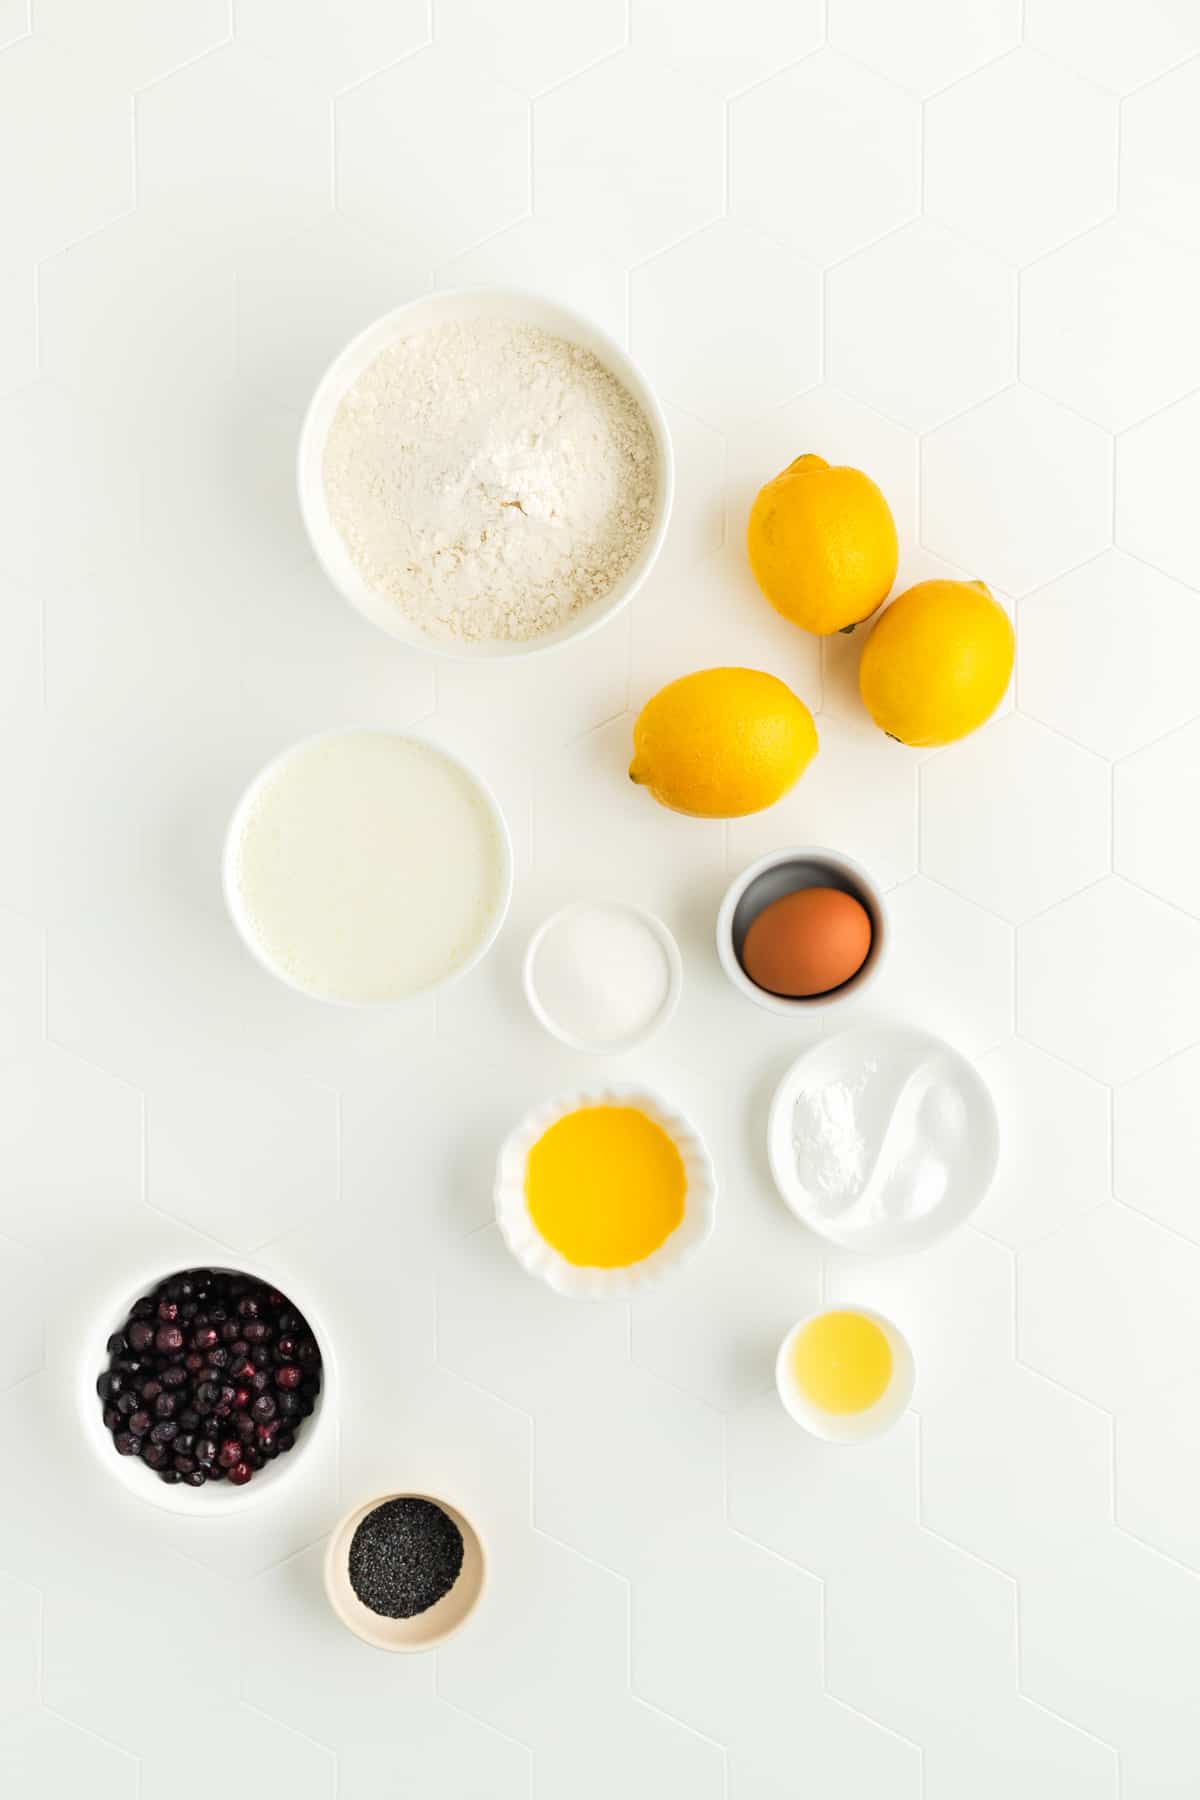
(484, 473)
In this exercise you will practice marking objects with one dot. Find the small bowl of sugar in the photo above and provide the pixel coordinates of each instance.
(484, 473)
(602, 977)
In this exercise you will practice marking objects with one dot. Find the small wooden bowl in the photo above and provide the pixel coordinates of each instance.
(425, 1631)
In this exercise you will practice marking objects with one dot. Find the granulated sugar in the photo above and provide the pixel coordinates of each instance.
(490, 478)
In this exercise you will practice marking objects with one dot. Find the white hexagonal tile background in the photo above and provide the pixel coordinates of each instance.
(532, 47)
(136, 323)
(1017, 819)
(1113, 47)
(953, 245)
(1160, 148)
(1103, 1308)
(724, 50)
(269, 163)
(1156, 1445)
(15, 21)
(83, 179)
(348, 277)
(1054, 177)
(50, 440)
(139, 42)
(1152, 792)
(756, 340)
(929, 44)
(555, 259)
(1019, 487)
(1109, 980)
(406, 164)
(1156, 1134)
(1103, 654)
(1152, 491)
(335, 42)
(640, 189)
(950, 968)
(1054, 1147)
(945, 337)
(826, 111)
(1106, 324)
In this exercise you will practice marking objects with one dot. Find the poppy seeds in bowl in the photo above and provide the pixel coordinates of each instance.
(405, 1557)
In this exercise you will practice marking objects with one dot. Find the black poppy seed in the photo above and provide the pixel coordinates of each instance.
(404, 1557)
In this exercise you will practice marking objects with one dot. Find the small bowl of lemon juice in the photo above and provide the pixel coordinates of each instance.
(846, 1375)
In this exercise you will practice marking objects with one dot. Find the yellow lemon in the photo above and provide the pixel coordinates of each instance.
(722, 742)
(937, 663)
(822, 545)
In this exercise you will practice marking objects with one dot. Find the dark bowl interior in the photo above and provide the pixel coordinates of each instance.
(788, 878)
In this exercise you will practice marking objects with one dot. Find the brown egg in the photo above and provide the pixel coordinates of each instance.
(807, 943)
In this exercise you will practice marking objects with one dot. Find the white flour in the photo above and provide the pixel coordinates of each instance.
(490, 478)
(879, 1138)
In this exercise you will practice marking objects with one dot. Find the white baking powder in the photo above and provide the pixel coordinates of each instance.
(879, 1139)
(490, 478)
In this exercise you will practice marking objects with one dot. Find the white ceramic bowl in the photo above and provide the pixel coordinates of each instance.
(343, 372)
(531, 1249)
(785, 872)
(849, 1428)
(245, 806)
(216, 1499)
(614, 1046)
(906, 1048)
(426, 1630)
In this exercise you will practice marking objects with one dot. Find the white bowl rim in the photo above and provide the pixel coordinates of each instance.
(850, 1428)
(270, 769)
(577, 1281)
(337, 1583)
(215, 1499)
(901, 1239)
(634, 1039)
(611, 353)
(797, 1005)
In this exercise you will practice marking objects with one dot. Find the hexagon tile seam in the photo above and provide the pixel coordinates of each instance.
(507, 1736)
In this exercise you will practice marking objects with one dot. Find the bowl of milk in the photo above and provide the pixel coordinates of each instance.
(362, 867)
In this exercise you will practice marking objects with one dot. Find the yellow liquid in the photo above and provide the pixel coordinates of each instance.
(605, 1186)
(842, 1362)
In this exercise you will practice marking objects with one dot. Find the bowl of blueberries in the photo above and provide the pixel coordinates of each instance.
(210, 1390)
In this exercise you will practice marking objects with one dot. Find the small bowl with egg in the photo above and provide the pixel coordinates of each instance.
(801, 929)
(602, 1193)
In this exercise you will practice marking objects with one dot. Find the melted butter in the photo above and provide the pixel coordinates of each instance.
(605, 1186)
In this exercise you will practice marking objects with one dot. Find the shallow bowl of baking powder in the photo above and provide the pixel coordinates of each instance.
(484, 473)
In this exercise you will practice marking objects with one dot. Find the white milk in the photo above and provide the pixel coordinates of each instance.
(368, 867)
